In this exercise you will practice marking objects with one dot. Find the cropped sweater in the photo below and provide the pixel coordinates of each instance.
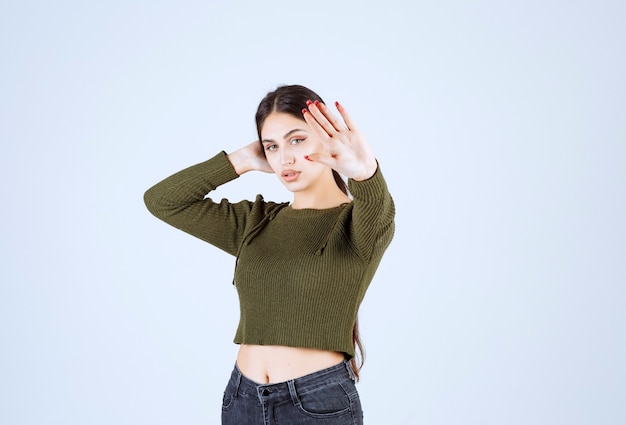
(300, 274)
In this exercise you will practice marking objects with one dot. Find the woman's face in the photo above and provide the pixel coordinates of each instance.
(286, 141)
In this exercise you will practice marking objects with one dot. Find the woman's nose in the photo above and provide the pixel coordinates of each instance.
(287, 157)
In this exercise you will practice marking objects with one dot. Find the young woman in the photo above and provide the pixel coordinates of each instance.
(301, 269)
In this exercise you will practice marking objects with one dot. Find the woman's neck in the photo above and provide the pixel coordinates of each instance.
(330, 198)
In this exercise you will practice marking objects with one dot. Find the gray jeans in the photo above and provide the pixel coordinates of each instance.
(326, 397)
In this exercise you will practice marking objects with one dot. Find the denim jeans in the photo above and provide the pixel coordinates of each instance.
(327, 397)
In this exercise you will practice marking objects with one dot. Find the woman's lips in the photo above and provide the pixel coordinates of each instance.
(290, 175)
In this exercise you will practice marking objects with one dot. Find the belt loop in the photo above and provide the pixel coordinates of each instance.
(348, 366)
(294, 395)
(237, 383)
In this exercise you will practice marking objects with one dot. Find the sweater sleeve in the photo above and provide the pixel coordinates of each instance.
(181, 201)
(372, 225)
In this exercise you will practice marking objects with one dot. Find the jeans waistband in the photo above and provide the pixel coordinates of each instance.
(333, 374)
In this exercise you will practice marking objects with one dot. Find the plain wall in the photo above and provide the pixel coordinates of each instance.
(501, 130)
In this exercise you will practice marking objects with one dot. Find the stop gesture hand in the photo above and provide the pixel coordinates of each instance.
(347, 150)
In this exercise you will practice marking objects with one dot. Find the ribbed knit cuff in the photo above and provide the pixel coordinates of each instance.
(220, 168)
(366, 189)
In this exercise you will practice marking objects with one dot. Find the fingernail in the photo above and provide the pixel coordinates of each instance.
(317, 102)
(304, 110)
(307, 158)
(308, 102)
(336, 103)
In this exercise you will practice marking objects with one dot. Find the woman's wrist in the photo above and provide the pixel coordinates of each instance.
(368, 172)
(240, 161)
(249, 158)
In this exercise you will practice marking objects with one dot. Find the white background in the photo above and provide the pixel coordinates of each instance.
(501, 130)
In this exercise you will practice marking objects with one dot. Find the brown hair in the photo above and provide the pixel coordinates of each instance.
(291, 100)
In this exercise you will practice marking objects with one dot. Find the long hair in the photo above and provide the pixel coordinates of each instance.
(291, 100)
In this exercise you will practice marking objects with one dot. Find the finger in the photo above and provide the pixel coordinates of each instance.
(314, 124)
(315, 108)
(337, 124)
(324, 159)
(345, 116)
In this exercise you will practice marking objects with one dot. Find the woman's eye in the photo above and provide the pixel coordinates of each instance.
(270, 147)
(296, 141)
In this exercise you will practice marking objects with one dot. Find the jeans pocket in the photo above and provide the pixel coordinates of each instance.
(227, 400)
(325, 402)
(230, 394)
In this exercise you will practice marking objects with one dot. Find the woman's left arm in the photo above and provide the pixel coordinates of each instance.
(348, 152)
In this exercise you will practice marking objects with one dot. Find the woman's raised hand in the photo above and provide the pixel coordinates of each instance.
(347, 150)
(250, 158)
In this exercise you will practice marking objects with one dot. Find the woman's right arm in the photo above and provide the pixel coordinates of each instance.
(180, 200)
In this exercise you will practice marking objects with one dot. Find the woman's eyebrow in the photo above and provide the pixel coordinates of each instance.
(289, 133)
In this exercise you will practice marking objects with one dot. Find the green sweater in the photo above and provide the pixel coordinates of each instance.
(301, 274)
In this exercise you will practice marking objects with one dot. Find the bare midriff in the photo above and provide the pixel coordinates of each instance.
(265, 364)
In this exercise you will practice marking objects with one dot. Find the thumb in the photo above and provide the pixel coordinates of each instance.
(321, 158)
